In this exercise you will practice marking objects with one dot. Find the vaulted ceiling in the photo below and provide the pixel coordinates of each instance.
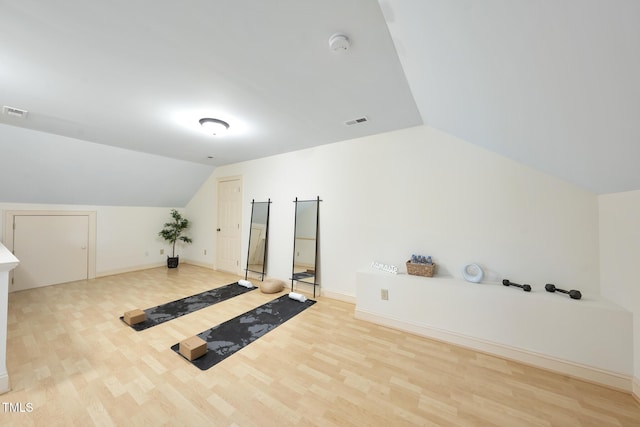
(552, 84)
(114, 90)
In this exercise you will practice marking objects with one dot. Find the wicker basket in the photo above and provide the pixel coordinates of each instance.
(425, 270)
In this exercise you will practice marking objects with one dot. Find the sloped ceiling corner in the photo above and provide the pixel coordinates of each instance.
(42, 168)
(551, 84)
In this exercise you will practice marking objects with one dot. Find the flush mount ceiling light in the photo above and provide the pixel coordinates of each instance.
(214, 126)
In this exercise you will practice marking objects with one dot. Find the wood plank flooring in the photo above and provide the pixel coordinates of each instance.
(77, 364)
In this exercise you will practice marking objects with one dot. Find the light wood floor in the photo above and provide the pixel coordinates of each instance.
(78, 365)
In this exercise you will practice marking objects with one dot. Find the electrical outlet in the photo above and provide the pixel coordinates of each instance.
(161, 251)
(384, 294)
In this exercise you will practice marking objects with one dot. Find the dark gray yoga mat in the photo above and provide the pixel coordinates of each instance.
(171, 310)
(226, 338)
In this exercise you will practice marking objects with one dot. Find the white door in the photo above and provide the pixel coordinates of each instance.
(51, 249)
(228, 230)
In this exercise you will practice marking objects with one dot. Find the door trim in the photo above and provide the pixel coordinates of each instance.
(91, 246)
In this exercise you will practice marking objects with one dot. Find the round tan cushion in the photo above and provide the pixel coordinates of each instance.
(271, 286)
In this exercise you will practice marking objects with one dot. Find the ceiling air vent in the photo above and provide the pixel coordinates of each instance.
(357, 121)
(15, 112)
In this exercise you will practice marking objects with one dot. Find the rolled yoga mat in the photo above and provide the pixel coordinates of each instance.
(226, 338)
(171, 310)
(245, 283)
(298, 297)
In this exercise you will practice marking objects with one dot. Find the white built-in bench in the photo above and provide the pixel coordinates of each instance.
(589, 338)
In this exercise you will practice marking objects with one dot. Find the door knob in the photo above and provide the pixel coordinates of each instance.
(217, 229)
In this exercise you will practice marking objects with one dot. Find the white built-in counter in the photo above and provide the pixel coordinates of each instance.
(7, 263)
(589, 338)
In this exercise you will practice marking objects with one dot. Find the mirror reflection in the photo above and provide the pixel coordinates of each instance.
(258, 238)
(305, 241)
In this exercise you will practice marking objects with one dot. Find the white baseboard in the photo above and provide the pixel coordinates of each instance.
(586, 373)
(4, 383)
(148, 266)
(636, 388)
(338, 296)
(128, 269)
(199, 264)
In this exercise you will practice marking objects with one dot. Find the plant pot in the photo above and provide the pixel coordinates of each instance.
(172, 262)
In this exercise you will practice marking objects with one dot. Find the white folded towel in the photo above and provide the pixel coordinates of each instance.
(245, 283)
(298, 297)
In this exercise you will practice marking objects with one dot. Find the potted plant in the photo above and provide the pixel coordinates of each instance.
(172, 232)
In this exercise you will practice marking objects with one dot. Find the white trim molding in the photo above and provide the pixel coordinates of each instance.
(337, 296)
(7, 263)
(4, 383)
(586, 373)
(129, 269)
(636, 388)
(198, 264)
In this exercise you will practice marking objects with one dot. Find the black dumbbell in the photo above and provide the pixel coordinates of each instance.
(572, 293)
(525, 288)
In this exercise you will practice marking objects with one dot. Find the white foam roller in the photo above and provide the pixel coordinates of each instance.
(298, 297)
(245, 283)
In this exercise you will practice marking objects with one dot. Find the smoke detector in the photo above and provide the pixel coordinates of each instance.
(339, 43)
(15, 112)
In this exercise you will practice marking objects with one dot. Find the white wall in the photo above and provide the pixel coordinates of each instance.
(619, 223)
(127, 237)
(421, 191)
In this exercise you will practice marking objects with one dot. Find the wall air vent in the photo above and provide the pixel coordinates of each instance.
(15, 112)
(359, 120)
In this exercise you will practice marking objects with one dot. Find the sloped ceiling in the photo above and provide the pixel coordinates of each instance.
(551, 84)
(38, 167)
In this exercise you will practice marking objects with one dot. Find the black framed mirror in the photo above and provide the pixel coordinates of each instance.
(258, 239)
(305, 242)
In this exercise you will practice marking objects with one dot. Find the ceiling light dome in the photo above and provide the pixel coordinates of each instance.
(215, 126)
